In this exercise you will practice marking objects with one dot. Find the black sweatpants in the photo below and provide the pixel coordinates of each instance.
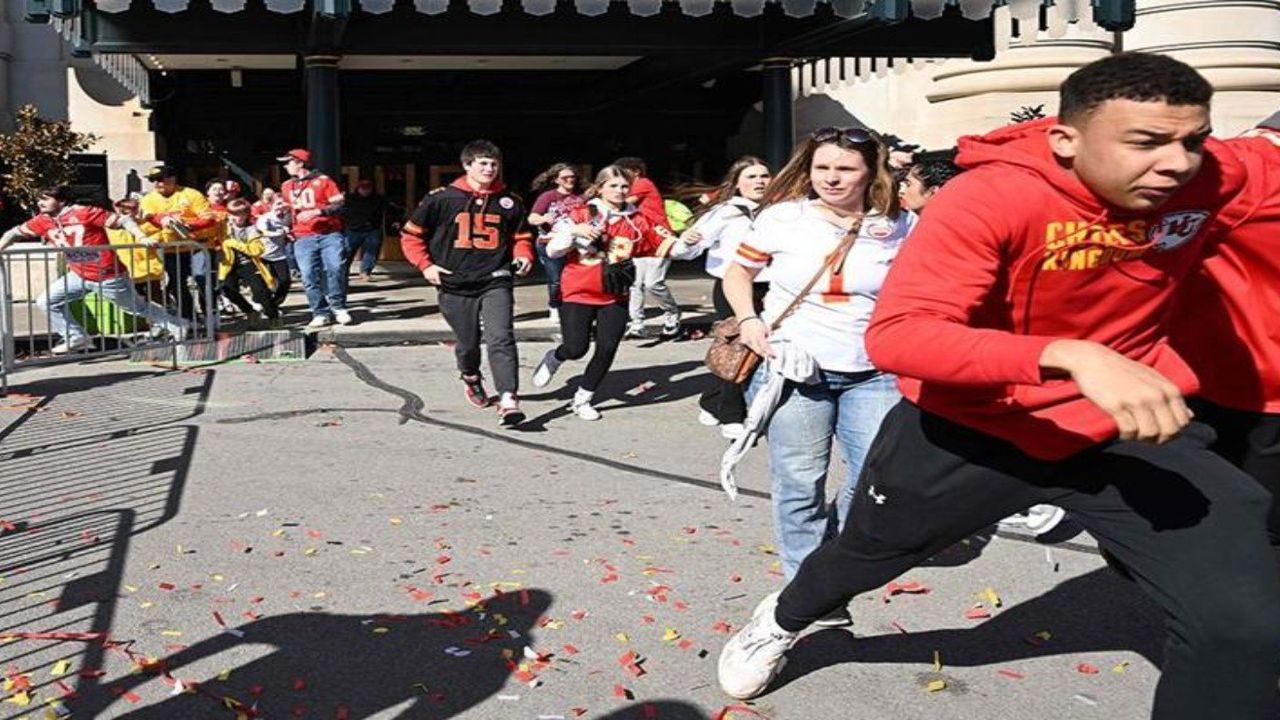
(284, 280)
(576, 322)
(463, 313)
(725, 399)
(246, 273)
(1251, 442)
(1189, 527)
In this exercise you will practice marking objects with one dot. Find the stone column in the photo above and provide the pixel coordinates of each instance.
(779, 120)
(323, 112)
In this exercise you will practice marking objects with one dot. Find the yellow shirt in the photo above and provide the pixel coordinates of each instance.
(188, 204)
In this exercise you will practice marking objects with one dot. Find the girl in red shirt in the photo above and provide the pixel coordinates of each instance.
(598, 242)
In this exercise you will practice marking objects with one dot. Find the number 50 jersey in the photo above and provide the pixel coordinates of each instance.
(473, 234)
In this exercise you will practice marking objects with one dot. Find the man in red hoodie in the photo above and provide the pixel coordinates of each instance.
(1048, 378)
(467, 239)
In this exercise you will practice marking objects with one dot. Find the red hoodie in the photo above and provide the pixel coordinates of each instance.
(1017, 253)
(1226, 322)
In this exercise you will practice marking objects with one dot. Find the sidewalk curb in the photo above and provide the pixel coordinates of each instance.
(355, 337)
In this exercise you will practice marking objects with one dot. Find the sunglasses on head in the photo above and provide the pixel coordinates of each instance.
(853, 136)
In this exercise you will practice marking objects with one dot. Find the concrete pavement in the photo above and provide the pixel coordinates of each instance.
(308, 537)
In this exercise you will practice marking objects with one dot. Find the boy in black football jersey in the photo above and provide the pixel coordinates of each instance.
(467, 239)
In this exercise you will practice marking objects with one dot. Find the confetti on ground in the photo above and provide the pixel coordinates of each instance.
(1011, 674)
(910, 587)
(1085, 699)
(1121, 668)
(936, 686)
(1087, 669)
(990, 597)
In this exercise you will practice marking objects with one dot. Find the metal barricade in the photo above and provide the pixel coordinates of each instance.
(152, 296)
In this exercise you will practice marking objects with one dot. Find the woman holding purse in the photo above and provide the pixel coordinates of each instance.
(598, 242)
(828, 230)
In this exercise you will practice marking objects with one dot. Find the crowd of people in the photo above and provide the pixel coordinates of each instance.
(1056, 320)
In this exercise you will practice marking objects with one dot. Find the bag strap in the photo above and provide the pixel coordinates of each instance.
(846, 243)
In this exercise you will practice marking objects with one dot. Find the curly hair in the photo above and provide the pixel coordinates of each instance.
(1144, 77)
(935, 169)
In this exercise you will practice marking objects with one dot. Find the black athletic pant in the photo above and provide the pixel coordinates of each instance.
(1190, 527)
(725, 399)
(246, 273)
(284, 280)
(576, 321)
(1251, 442)
(463, 313)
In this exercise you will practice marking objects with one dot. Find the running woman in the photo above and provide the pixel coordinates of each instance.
(1030, 342)
(558, 193)
(598, 242)
(63, 224)
(466, 239)
(718, 226)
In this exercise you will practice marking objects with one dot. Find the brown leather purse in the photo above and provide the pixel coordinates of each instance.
(729, 358)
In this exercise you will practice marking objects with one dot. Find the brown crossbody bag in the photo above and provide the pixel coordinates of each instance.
(729, 358)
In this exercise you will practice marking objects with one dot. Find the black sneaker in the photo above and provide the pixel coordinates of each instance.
(473, 389)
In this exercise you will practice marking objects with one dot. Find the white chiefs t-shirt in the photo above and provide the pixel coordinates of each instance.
(794, 239)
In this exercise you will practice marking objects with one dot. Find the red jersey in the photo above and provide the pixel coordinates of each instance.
(79, 226)
(985, 283)
(258, 209)
(1227, 319)
(649, 200)
(313, 192)
(627, 234)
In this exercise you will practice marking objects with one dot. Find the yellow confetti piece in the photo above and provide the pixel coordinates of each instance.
(554, 624)
(937, 661)
(309, 551)
(1121, 668)
(21, 699)
(179, 549)
(8, 639)
(991, 597)
(396, 521)
(519, 572)
(671, 635)
(60, 668)
(278, 533)
(358, 551)
(320, 595)
(171, 633)
(500, 619)
(381, 631)
(218, 577)
(936, 686)
(622, 638)
(145, 604)
(1045, 635)
(224, 676)
(131, 588)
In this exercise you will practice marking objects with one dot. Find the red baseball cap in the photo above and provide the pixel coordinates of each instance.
(296, 154)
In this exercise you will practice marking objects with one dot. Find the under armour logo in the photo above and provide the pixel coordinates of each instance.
(876, 496)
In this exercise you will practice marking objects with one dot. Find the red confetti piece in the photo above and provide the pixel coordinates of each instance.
(621, 692)
(1012, 674)
(685, 644)
(578, 614)
(627, 657)
(977, 613)
(168, 586)
(525, 676)
(735, 578)
(722, 628)
(910, 587)
(1087, 669)
(217, 617)
(571, 650)
(315, 534)
(611, 577)
(578, 711)
(649, 619)
(681, 605)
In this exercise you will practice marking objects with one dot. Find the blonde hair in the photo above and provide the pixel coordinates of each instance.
(794, 179)
(607, 173)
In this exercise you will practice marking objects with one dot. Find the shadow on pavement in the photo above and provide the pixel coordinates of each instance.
(91, 463)
(352, 666)
(1071, 612)
(614, 393)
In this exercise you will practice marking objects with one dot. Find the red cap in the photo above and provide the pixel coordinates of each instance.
(296, 154)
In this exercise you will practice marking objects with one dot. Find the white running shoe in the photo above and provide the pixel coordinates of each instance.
(733, 431)
(586, 411)
(318, 321)
(706, 418)
(753, 657)
(670, 325)
(69, 346)
(546, 369)
(636, 330)
(342, 317)
(1037, 519)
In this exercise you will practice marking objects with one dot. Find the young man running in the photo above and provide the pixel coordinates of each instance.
(63, 224)
(1050, 379)
(467, 238)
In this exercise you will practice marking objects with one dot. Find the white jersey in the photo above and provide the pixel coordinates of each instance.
(722, 229)
(794, 239)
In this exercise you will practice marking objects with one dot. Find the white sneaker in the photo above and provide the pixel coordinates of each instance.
(546, 369)
(553, 315)
(706, 418)
(586, 411)
(342, 317)
(635, 330)
(318, 321)
(753, 657)
(732, 431)
(1038, 519)
(68, 346)
(670, 325)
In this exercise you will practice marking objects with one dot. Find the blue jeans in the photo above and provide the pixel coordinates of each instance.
(119, 290)
(554, 268)
(322, 262)
(848, 406)
(369, 243)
